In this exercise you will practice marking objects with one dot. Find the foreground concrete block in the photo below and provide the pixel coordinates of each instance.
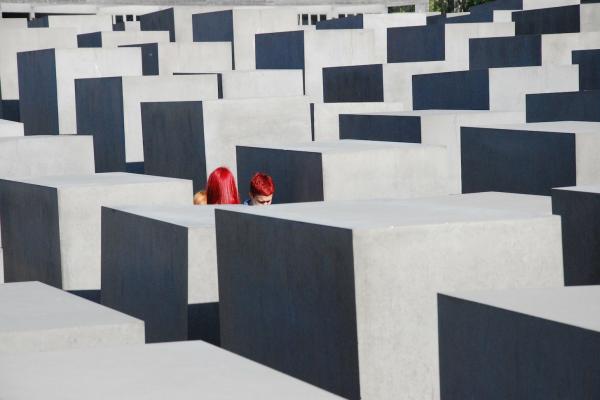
(115, 39)
(530, 158)
(27, 40)
(189, 139)
(326, 116)
(81, 23)
(22, 156)
(498, 89)
(156, 371)
(238, 27)
(368, 329)
(37, 317)
(579, 208)
(47, 87)
(432, 127)
(565, 106)
(321, 171)
(109, 110)
(314, 50)
(520, 344)
(171, 58)
(61, 217)
(140, 245)
(10, 128)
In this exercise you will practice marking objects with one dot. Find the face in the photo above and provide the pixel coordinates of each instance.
(260, 200)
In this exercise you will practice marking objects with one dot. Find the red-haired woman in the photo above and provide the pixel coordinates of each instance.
(221, 187)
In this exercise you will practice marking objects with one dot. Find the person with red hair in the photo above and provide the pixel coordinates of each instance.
(261, 190)
(221, 187)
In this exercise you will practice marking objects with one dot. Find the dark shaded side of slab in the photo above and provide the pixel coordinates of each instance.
(280, 50)
(149, 57)
(547, 20)
(580, 215)
(289, 304)
(214, 27)
(385, 128)
(203, 322)
(163, 20)
(38, 103)
(39, 22)
(358, 83)
(351, 22)
(516, 161)
(93, 39)
(566, 106)
(501, 52)
(589, 68)
(99, 103)
(460, 90)
(494, 354)
(145, 272)
(174, 140)
(416, 43)
(30, 233)
(10, 110)
(298, 175)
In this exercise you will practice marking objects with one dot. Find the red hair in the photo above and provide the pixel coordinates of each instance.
(221, 187)
(261, 184)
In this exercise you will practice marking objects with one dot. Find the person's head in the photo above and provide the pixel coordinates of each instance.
(200, 198)
(221, 187)
(261, 189)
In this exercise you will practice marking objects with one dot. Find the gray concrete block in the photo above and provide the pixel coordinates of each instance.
(190, 139)
(159, 264)
(10, 128)
(28, 40)
(520, 344)
(177, 20)
(109, 110)
(181, 370)
(193, 57)
(47, 83)
(347, 301)
(61, 217)
(39, 318)
(321, 171)
(81, 23)
(24, 156)
(115, 39)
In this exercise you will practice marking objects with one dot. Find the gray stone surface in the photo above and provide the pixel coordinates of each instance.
(523, 344)
(358, 280)
(38, 317)
(159, 264)
(182, 370)
(61, 217)
(322, 170)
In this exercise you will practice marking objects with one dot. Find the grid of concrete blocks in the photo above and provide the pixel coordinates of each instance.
(435, 232)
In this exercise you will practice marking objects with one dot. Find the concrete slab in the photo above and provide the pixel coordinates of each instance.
(28, 40)
(589, 68)
(140, 245)
(326, 116)
(208, 131)
(432, 127)
(177, 20)
(314, 50)
(375, 270)
(320, 171)
(23, 156)
(557, 49)
(148, 372)
(10, 128)
(40, 318)
(116, 39)
(109, 109)
(239, 25)
(81, 23)
(529, 158)
(557, 328)
(563, 106)
(562, 19)
(47, 83)
(578, 207)
(61, 216)
(506, 87)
